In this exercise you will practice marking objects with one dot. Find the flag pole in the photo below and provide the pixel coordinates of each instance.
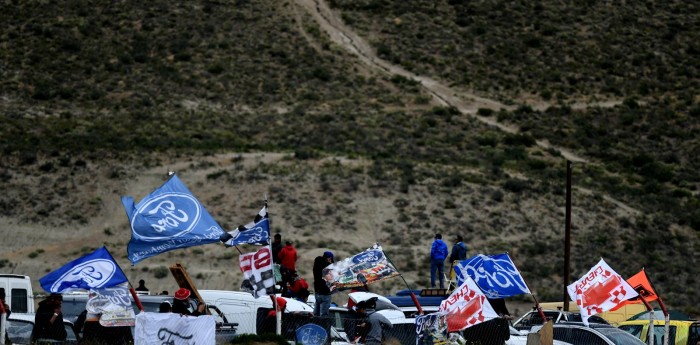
(537, 303)
(278, 313)
(413, 296)
(131, 287)
(663, 308)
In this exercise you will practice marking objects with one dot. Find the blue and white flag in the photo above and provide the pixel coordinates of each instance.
(256, 232)
(97, 270)
(169, 218)
(496, 275)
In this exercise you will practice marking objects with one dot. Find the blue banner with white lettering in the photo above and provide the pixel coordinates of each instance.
(256, 232)
(97, 270)
(496, 275)
(169, 218)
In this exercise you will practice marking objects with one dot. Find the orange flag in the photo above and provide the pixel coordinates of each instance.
(640, 282)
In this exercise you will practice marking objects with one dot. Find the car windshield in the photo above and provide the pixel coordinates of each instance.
(619, 337)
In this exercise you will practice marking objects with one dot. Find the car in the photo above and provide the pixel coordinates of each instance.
(20, 326)
(679, 332)
(594, 334)
(533, 318)
(520, 338)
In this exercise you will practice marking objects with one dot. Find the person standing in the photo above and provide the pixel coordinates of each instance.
(48, 321)
(288, 257)
(459, 250)
(276, 247)
(321, 291)
(438, 254)
(142, 286)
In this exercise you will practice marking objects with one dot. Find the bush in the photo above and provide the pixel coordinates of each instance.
(515, 185)
(160, 272)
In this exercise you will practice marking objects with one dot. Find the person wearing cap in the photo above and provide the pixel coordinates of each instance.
(375, 325)
(48, 321)
(438, 254)
(321, 290)
(182, 302)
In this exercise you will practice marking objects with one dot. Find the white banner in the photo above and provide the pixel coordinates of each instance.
(174, 329)
(466, 307)
(258, 275)
(114, 304)
(600, 290)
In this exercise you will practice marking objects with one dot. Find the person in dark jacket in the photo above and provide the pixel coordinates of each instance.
(182, 302)
(48, 321)
(276, 247)
(459, 250)
(321, 290)
(438, 254)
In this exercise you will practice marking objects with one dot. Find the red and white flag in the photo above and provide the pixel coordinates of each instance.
(600, 290)
(466, 307)
(258, 276)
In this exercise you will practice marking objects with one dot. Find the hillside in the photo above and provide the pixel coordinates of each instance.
(412, 126)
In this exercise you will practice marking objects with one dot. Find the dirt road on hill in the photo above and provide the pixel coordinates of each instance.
(467, 103)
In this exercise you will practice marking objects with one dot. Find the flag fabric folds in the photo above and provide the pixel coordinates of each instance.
(93, 271)
(641, 283)
(258, 276)
(169, 218)
(466, 306)
(496, 275)
(431, 329)
(600, 290)
(256, 232)
(364, 268)
(113, 305)
(174, 329)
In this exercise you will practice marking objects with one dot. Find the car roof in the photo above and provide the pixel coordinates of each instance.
(28, 317)
(581, 324)
(657, 322)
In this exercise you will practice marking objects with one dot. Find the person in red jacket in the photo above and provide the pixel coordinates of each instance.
(288, 257)
(288, 261)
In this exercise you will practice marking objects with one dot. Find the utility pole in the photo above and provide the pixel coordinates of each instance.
(567, 236)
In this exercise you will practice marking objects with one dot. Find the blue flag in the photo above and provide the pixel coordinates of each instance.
(169, 218)
(97, 270)
(255, 232)
(496, 275)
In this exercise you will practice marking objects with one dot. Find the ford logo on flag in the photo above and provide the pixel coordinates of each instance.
(311, 334)
(368, 256)
(93, 273)
(168, 215)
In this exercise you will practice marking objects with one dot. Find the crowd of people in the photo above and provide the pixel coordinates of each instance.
(366, 326)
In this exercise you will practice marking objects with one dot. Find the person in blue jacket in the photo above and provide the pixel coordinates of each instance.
(438, 253)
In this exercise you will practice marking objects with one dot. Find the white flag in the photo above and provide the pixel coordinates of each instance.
(174, 329)
(466, 307)
(600, 290)
(258, 275)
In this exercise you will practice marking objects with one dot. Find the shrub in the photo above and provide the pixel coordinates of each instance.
(160, 272)
(515, 185)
